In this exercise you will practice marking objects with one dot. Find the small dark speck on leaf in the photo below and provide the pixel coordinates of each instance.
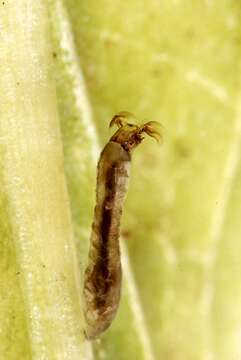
(190, 34)
(108, 43)
(156, 72)
(3, 3)
(54, 54)
(18, 273)
(181, 148)
(126, 234)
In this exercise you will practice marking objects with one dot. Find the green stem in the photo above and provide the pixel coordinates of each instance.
(35, 187)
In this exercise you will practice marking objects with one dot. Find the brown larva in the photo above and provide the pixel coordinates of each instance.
(102, 283)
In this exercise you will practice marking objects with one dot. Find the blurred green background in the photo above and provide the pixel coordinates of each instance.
(66, 68)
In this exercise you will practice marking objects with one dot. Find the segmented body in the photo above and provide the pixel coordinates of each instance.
(102, 286)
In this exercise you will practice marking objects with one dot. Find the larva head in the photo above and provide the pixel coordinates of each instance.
(129, 135)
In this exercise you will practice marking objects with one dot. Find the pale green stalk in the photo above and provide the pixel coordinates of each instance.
(37, 220)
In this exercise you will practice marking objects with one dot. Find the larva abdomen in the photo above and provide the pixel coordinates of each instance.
(102, 284)
(103, 275)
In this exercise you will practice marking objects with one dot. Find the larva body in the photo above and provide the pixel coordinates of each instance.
(102, 284)
(103, 275)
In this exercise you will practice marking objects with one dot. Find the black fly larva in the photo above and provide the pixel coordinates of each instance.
(102, 283)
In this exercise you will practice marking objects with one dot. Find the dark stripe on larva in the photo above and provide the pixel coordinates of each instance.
(102, 277)
(107, 213)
